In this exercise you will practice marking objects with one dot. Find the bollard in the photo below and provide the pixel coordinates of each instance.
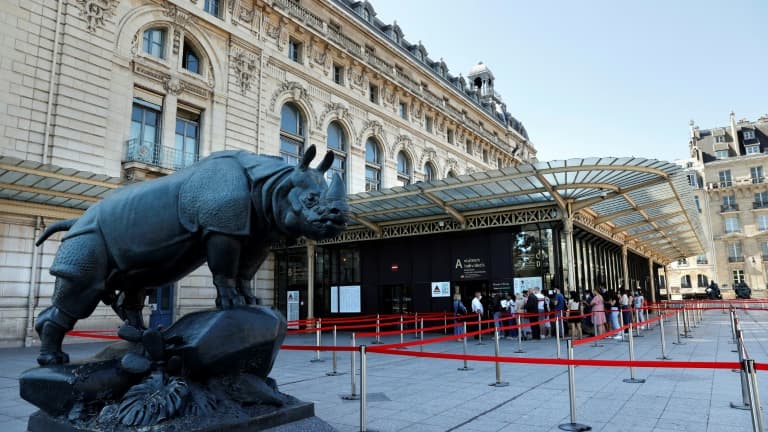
(479, 330)
(378, 329)
(353, 395)
(745, 402)
(363, 391)
(663, 341)
(572, 426)
(596, 345)
(632, 379)
(334, 372)
(557, 337)
(465, 368)
(499, 382)
(677, 324)
(686, 324)
(318, 335)
(754, 396)
(519, 349)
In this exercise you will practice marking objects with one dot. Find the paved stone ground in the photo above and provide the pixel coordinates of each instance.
(424, 394)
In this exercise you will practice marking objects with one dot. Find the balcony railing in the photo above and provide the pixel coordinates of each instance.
(154, 154)
(729, 207)
(756, 180)
(735, 259)
(725, 183)
(759, 205)
(702, 261)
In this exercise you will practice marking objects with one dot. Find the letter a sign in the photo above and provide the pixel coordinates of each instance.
(458, 264)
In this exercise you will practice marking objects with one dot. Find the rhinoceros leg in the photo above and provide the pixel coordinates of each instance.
(223, 253)
(249, 264)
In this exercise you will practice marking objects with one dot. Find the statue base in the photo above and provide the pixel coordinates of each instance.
(264, 417)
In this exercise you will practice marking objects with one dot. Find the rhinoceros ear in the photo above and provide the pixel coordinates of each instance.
(308, 156)
(326, 163)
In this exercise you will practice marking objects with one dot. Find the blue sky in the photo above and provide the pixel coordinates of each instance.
(604, 77)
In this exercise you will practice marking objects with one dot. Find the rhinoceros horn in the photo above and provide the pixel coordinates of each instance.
(326, 163)
(336, 192)
(308, 156)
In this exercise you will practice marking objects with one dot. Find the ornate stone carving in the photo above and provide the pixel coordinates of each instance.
(401, 141)
(96, 11)
(374, 127)
(452, 165)
(246, 15)
(337, 109)
(320, 57)
(150, 73)
(244, 65)
(135, 44)
(278, 31)
(173, 85)
(429, 154)
(389, 95)
(176, 40)
(298, 91)
(180, 17)
(441, 124)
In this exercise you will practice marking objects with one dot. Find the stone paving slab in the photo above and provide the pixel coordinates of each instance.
(426, 394)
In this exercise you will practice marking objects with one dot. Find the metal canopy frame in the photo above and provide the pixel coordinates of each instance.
(34, 189)
(645, 204)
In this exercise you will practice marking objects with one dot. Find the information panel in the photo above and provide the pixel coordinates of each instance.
(293, 308)
(345, 299)
(524, 284)
(440, 289)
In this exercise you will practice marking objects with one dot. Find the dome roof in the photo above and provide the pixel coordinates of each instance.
(480, 69)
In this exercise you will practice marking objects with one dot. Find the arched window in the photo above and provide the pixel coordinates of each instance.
(372, 165)
(429, 172)
(154, 42)
(403, 169)
(190, 60)
(685, 281)
(337, 143)
(291, 133)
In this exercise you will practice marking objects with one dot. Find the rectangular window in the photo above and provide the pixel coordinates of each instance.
(187, 140)
(764, 249)
(757, 174)
(449, 136)
(732, 225)
(404, 110)
(499, 163)
(294, 50)
(428, 123)
(144, 144)
(738, 276)
(725, 178)
(753, 149)
(721, 154)
(213, 7)
(469, 147)
(693, 179)
(338, 74)
(702, 259)
(698, 203)
(762, 222)
(749, 134)
(729, 203)
(682, 262)
(373, 93)
(720, 139)
(734, 252)
(372, 179)
(485, 155)
(154, 42)
(761, 200)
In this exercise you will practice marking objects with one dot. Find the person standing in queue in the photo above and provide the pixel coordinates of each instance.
(477, 308)
(532, 308)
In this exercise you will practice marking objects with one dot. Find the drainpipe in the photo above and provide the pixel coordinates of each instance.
(34, 288)
(53, 81)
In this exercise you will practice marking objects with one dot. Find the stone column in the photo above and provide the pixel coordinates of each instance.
(310, 279)
(652, 281)
(569, 255)
(624, 268)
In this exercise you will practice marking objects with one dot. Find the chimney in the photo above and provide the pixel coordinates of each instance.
(733, 133)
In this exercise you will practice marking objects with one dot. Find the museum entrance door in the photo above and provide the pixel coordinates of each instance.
(161, 302)
(395, 299)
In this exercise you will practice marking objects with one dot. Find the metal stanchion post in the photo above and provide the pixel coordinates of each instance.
(754, 396)
(499, 382)
(465, 368)
(519, 349)
(421, 345)
(744, 405)
(677, 327)
(663, 341)
(621, 325)
(739, 340)
(686, 324)
(363, 391)
(334, 372)
(445, 323)
(632, 378)
(572, 426)
(695, 317)
(401, 330)
(557, 335)
(733, 325)
(480, 330)
(353, 395)
(416, 324)
(318, 334)
(378, 329)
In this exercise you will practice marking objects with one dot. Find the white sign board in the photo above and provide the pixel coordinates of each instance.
(345, 299)
(523, 284)
(293, 308)
(440, 289)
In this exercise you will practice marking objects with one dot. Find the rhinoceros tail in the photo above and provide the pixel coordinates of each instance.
(55, 227)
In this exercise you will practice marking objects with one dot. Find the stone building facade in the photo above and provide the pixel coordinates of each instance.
(98, 93)
(727, 171)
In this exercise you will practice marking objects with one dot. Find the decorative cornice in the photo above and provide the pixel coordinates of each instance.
(96, 11)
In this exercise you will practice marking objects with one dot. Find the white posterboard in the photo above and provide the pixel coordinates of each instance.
(293, 309)
(522, 284)
(345, 299)
(440, 289)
